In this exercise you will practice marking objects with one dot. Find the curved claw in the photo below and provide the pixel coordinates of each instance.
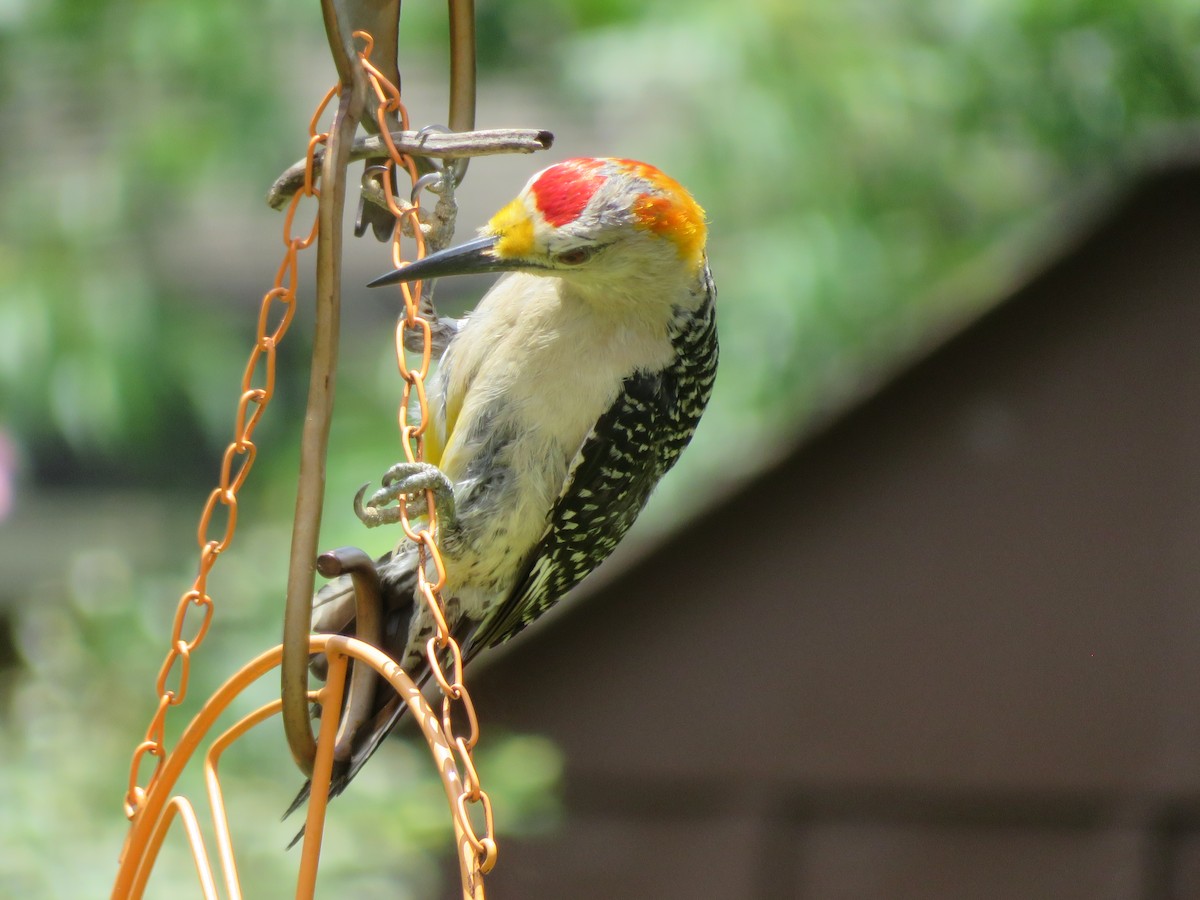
(370, 514)
(409, 480)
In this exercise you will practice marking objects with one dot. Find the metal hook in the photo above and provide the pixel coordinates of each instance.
(368, 627)
(342, 20)
(425, 181)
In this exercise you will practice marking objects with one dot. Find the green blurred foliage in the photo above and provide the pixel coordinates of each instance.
(873, 171)
(126, 110)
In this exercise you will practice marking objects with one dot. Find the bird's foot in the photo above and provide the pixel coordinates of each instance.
(411, 481)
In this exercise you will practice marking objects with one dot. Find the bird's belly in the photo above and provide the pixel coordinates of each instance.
(524, 383)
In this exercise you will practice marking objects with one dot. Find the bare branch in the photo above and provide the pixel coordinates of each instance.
(430, 144)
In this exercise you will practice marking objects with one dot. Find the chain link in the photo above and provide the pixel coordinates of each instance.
(279, 305)
(413, 401)
(173, 676)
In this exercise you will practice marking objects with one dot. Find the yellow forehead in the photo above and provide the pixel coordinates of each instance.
(513, 225)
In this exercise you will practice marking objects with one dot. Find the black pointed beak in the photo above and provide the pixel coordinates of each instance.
(471, 258)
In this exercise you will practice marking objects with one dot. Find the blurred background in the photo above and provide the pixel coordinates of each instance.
(874, 173)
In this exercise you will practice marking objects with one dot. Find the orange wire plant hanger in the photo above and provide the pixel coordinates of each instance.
(357, 31)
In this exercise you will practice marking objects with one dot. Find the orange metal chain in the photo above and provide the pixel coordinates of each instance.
(278, 308)
(442, 645)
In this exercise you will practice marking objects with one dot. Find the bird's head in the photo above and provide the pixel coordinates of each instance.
(593, 221)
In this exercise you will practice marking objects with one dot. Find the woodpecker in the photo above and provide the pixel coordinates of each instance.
(556, 406)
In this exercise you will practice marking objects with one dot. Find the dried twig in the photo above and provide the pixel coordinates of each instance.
(434, 144)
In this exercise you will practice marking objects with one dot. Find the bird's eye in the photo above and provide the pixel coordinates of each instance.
(575, 257)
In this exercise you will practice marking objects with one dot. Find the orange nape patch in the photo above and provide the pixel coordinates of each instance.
(563, 190)
(676, 216)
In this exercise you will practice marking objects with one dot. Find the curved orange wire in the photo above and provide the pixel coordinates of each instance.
(159, 809)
